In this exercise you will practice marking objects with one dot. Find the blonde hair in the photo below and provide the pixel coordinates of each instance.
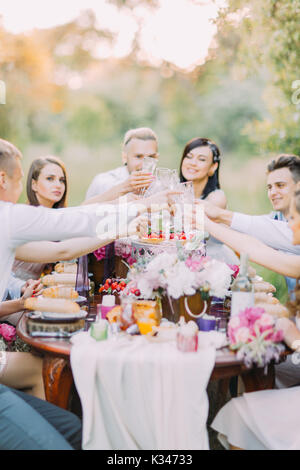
(8, 155)
(141, 133)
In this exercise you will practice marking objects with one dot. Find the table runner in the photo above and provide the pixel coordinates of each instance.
(136, 394)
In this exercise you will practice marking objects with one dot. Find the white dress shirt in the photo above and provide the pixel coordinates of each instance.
(105, 181)
(22, 223)
(13, 288)
(274, 233)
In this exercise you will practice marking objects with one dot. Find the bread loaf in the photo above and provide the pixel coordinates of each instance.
(264, 297)
(51, 305)
(278, 310)
(60, 292)
(263, 286)
(66, 268)
(56, 279)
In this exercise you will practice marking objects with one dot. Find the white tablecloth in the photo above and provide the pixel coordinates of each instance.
(139, 395)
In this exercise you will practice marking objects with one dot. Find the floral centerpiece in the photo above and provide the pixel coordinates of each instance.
(253, 335)
(122, 249)
(7, 336)
(180, 274)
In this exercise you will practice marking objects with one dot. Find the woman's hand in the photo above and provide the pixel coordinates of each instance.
(32, 287)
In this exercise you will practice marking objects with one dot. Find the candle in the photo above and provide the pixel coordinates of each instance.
(187, 337)
(108, 303)
(99, 330)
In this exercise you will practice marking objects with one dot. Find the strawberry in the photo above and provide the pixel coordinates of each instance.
(137, 292)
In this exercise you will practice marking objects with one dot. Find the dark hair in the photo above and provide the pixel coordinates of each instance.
(8, 156)
(213, 181)
(292, 162)
(34, 173)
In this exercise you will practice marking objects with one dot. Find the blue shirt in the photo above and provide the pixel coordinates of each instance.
(290, 281)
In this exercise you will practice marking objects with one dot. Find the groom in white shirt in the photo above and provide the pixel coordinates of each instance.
(138, 143)
(283, 176)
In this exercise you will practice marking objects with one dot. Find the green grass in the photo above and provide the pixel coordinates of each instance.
(276, 279)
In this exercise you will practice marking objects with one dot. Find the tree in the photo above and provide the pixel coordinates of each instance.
(269, 45)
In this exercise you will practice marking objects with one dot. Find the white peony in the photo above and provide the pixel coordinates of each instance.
(218, 275)
(180, 281)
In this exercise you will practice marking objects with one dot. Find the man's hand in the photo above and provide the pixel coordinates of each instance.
(137, 180)
(215, 213)
(291, 334)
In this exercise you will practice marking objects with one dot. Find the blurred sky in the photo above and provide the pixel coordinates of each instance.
(180, 31)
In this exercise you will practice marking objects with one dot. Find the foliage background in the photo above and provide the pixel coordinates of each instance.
(63, 100)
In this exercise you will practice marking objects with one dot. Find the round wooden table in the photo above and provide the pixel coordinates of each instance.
(58, 377)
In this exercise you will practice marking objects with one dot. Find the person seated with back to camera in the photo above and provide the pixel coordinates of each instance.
(269, 419)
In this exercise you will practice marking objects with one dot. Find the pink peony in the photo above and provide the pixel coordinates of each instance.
(235, 268)
(266, 320)
(8, 332)
(195, 263)
(234, 322)
(252, 314)
(100, 253)
(277, 336)
(264, 323)
(242, 335)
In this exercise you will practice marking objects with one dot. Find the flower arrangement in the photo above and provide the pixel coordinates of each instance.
(235, 268)
(253, 334)
(122, 249)
(7, 336)
(178, 274)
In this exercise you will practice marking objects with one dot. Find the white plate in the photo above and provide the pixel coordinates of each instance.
(61, 316)
(80, 298)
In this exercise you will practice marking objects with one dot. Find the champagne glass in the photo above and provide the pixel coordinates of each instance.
(188, 192)
(149, 164)
(164, 176)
